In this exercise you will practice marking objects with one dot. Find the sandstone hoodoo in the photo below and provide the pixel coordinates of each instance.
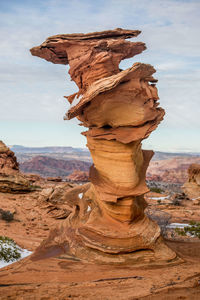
(120, 109)
(192, 187)
(11, 180)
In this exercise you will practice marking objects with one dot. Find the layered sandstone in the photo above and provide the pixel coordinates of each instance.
(11, 180)
(192, 187)
(120, 109)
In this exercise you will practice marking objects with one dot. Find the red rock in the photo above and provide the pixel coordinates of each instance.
(34, 177)
(78, 176)
(8, 161)
(56, 179)
(11, 180)
(192, 187)
(172, 170)
(90, 56)
(48, 166)
(120, 109)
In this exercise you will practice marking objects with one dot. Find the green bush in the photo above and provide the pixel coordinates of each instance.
(6, 215)
(9, 251)
(156, 190)
(193, 229)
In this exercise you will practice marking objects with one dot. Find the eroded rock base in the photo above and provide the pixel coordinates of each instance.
(63, 277)
(86, 236)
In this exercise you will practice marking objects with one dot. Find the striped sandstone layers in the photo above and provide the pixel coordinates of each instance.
(120, 109)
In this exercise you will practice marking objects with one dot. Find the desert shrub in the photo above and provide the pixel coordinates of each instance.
(6, 215)
(159, 201)
(193, 229)
(35, 187)
(176, 202)
(156, 190)
(9, 251)
(160, 217)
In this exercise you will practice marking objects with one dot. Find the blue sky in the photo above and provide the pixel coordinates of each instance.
(31, 90)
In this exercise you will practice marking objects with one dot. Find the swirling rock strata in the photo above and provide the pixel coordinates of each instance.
(120, 109)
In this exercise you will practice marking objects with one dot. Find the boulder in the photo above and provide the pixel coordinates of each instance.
(11, 180)
(78, 176)
(192, 187)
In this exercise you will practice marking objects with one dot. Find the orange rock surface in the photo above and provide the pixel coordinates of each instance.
(78, 176)
(120, 109)
(11, 180)
(192, 187)
(67, 277)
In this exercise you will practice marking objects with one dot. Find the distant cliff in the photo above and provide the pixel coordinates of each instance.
(171, 170)
(47, 166)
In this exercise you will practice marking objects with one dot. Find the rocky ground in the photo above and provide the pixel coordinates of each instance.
(62, 277)
(28, 215)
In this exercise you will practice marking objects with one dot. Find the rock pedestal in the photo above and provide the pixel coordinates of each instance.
(120, 109)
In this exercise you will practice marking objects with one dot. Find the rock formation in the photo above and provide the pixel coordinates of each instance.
(171, 170)
(120, 109)
(11, 180)
(192, 187)
(78, 176)
(55, 179)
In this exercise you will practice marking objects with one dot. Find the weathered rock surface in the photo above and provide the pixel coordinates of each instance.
(8, 160)
(120, 109)
(192, 187)
(78, 176)
(66, 277)
(55, 201)
(90, 56)
(55, 179)
(34, 177)
(11, 180)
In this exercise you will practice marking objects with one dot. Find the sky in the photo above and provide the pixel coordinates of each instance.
(32, 105)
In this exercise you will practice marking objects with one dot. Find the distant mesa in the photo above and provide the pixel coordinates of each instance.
(51, 167)
(171, 169)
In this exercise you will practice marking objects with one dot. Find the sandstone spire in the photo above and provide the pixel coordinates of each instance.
(120, 109)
